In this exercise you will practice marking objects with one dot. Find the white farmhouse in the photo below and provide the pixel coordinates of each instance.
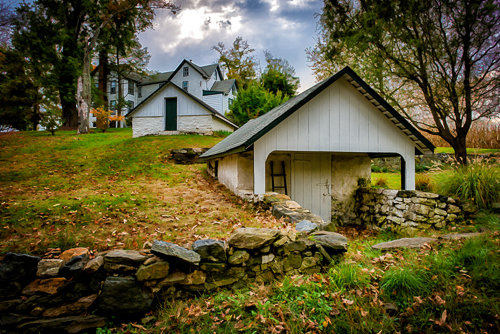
(190, 99)
(317, 146)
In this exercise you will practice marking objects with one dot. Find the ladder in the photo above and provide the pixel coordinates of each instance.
(282, 174)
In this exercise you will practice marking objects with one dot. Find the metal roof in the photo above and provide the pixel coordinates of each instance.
(242, 139)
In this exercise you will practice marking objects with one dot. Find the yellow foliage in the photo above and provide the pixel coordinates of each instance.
(104, 116)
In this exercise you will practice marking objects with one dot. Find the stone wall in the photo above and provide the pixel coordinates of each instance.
(76, 291)
(405, 210)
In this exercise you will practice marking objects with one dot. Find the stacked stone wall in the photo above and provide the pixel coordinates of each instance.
(77, 291)
(406, 210)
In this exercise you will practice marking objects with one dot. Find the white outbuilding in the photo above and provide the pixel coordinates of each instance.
(317, 147)
(191, 99)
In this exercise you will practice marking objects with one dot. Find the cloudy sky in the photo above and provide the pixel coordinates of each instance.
(283, 27)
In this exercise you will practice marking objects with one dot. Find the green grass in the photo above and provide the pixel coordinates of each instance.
(109, 190)
(393, 180)
(469, 150)
(457, 278)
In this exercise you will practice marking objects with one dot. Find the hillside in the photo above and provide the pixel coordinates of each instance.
(107, 190)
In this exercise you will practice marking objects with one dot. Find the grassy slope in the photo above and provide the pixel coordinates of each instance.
(109, 190)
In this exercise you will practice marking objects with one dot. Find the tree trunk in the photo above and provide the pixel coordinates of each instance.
(460, 147)
(119, 104)
(83, 96)
(35, 117)
(103, 77)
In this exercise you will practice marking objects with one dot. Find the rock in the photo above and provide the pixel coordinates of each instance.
(186, 156)
(295, 246)
(123, 297)
(48, 285)
(49, 267)
(157, 270)
(18, 267)
(251, 238)
(10, 289)
(404, 243)
(308, 262)
(174, 278)
(306, 226)
(94, 265)
(170, 250)
(73, 324)
(267, 258)
(123, 256)
(79, 306)
(75, 265)
(331, 240)
(239, 257)
(195, 278)
(8, 304)
(292, 261)
(210, 250)
(209, 266)
(70, 253)
(328, 226)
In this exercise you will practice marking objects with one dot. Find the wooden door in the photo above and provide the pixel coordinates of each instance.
(311, 181)
(171, 114)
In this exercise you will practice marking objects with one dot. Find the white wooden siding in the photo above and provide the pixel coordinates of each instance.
(185, 105)
(355, 125)
(194, 78)
(215, 101)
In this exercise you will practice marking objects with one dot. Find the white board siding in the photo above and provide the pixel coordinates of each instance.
(215, 101)
(219, 125)
(355, 125)
(196, 82)
(185, 105)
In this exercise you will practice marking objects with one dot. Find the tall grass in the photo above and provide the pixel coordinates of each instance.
(402, 283)
(477, 182)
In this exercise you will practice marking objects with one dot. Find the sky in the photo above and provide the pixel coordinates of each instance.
(283, 27)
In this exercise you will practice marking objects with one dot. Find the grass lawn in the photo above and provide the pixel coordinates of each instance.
(469, 150)
(452, 287)
(108, 190)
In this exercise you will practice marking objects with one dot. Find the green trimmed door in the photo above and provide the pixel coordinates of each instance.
(171, 114)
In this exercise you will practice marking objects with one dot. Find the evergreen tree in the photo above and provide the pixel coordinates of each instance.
(253, 102)
(279, 76)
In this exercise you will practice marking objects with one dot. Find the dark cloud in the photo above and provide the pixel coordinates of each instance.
(285, 30)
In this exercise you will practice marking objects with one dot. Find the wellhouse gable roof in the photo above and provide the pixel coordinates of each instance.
(243, 139)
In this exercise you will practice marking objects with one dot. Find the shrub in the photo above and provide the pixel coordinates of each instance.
(376, 168)
(423, 182)
(103, 117)
(402, 283)
(381, 182)
(477, 182)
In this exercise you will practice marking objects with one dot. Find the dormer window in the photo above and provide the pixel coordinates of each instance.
(185, 71)
(185, 85)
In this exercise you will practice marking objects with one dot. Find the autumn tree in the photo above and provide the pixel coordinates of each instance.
(237, 61)
(279, 76)
(435, 61)
(101, 17)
